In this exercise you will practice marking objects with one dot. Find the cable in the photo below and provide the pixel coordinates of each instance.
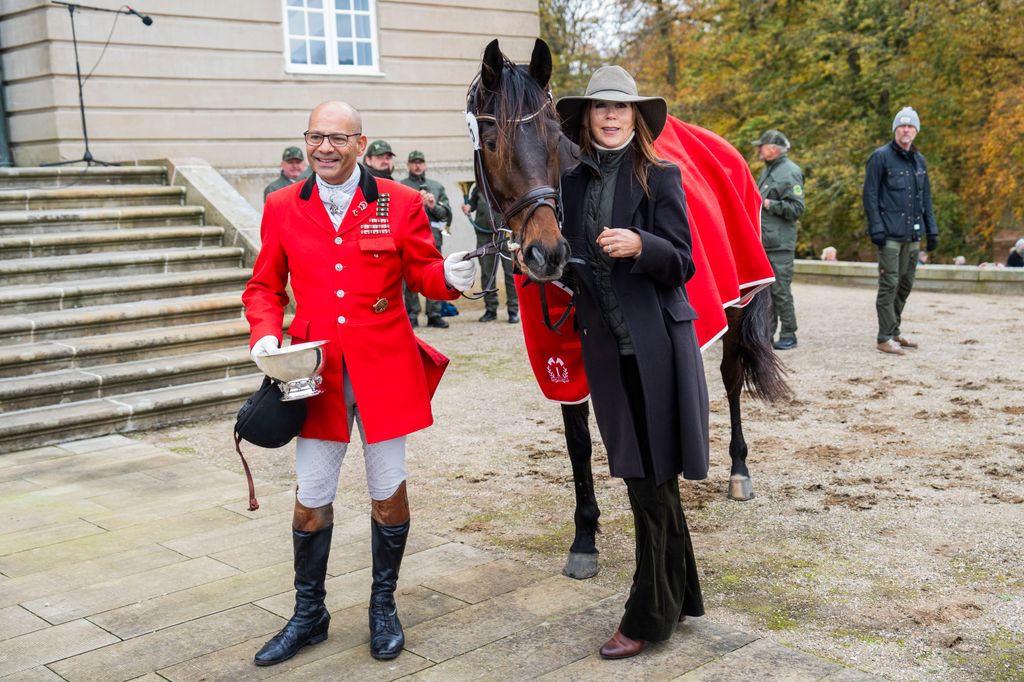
(104, 51)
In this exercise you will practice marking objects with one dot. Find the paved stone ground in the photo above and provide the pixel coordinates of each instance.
(120, 561)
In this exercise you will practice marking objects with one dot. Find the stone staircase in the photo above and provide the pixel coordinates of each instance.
(119, 308)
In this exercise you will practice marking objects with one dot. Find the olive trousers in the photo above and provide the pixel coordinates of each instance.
(897, 265)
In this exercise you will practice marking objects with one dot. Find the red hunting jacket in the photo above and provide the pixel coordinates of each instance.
(347, 286)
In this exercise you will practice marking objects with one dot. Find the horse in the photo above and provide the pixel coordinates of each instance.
(519, 154)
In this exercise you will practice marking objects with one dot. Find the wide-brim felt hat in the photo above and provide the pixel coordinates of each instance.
(614, 84)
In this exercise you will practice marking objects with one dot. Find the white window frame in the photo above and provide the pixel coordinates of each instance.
(331, 39)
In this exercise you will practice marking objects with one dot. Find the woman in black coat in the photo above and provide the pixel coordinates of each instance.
(625, 221)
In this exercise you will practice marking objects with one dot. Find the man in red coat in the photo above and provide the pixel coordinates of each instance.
(345, 241)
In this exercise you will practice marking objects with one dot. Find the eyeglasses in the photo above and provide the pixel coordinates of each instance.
(337, 140)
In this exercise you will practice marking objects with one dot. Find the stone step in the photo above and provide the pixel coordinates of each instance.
(100, 218)
(104, 381)
(90, 196)
(32, 298)
(91, 351)
(128, 412)
(117, 318)
(35, 176)
(115, 264)
(67, 243)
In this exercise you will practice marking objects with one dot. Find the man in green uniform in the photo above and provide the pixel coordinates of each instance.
(483, 225)
(379, 159)
(293, 169)
(435, 201)
(782, 187)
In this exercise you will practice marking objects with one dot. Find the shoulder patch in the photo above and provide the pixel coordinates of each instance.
(798, 190)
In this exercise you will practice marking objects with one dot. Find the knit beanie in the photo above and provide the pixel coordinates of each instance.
(906, 117)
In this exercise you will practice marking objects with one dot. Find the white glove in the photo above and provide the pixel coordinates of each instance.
(459, 274)
(261, 348)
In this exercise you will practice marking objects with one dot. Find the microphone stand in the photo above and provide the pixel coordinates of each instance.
(87, 157)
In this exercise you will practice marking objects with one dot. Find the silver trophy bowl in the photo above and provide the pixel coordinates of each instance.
(297, 369)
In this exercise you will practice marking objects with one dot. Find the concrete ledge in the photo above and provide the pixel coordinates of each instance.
(224, 206)
(952, 278)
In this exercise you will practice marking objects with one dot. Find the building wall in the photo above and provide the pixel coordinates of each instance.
(208, 79)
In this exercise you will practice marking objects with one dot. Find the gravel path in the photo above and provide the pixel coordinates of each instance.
(889, 519)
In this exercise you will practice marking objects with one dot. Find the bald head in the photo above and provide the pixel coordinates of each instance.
(338, 110)
(332, 161)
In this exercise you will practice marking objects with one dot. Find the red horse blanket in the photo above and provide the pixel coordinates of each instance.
(724, 209)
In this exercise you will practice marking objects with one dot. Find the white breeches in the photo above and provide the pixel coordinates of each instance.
(318, 462)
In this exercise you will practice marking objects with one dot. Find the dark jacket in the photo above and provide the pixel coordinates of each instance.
(898, 195)
(660, 319)
(442, 211)
(482, 214)
(782, 182)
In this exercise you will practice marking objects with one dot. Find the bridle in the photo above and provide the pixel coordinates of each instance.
(530, 201)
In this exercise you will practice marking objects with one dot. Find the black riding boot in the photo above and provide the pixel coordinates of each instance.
(388, 543)
(310, 622)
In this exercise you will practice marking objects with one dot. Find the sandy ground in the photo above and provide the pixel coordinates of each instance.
(887, 529)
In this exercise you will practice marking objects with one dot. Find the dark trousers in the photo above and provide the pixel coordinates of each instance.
(665, 582)
(487, 268)
(783, 309)
(412, 299)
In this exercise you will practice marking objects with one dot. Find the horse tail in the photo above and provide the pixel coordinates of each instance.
(764, 375)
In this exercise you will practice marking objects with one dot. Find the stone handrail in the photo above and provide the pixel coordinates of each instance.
(954, 278)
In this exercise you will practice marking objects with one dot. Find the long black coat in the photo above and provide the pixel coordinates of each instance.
(660, 321)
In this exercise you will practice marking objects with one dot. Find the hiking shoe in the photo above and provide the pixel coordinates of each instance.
(437, 322)
(489, 316)
(785, 344)
(905, 343)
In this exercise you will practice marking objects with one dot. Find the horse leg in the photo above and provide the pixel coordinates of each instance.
(582, 561)
(740, 486)
(749, 360)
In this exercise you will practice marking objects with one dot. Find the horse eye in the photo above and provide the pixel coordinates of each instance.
(491, 145)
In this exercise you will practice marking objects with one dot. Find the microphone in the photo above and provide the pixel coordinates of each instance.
(147, 20)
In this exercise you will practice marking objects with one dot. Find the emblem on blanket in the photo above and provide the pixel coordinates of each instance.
(378, 224)
(557, 371)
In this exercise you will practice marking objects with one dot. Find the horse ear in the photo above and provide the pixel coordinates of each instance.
(494, 62)
(540, 63)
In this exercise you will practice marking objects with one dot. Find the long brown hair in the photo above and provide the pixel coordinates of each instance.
(643, 144)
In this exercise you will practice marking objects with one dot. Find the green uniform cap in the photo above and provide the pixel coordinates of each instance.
(292, 153)
(416, 155)
(379, 148)
(772, 137)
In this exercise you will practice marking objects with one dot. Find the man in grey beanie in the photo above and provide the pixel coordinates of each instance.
(898, 205)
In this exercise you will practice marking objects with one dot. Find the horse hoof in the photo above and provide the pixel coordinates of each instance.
(580, 566)
(741, 488)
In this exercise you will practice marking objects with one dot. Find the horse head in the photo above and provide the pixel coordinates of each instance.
(517, 162)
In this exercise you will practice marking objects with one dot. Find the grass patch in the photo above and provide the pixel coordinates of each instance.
(1002, 659)
(182, 450)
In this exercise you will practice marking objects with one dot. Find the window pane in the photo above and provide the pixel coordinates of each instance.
(317, 52)
(365, 54)
(315, 4)
(296, 23)
(298, 51)
(345, 55)
(295, 3)
(344, 22)
(363, 5)
(362, 26)
(343, 5)
(316, 24)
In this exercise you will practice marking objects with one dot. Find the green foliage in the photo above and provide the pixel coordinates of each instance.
(831, 75)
